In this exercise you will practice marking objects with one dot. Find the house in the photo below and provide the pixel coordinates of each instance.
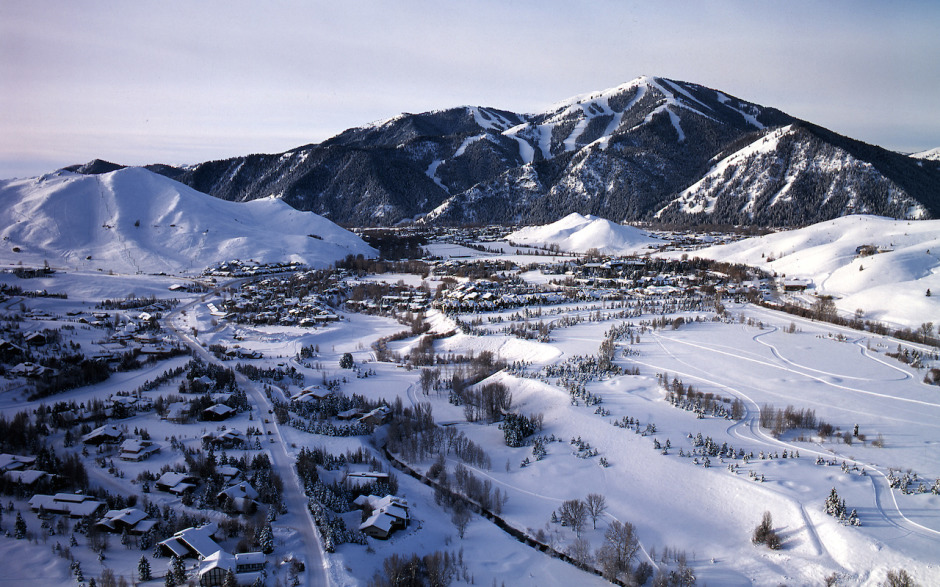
(28, 369)
(104, 435)
(10, 462)
(192, 542)
(379, 525)
(138, 450)
(26, 478)
(359, 478)
(131, 520)
(229, 472)
(794, 285)
(242, 495)
(316, 392)
(74, 505)
(177, 412)
(176, 483)
(205, 380)
(247, 567)
(353, 414)
(35, 339)
(229, 438)
(376, 417)
(217, 412)
(389, 513)
(9, 350)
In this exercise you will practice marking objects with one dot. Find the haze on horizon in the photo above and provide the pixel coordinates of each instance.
(180, 82)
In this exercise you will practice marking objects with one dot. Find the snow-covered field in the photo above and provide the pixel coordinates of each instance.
(679, 506)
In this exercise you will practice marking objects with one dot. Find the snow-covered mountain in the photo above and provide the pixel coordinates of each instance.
(133, 220)
(890, 285)
(577, 233)
(650, 148)
(791, 176)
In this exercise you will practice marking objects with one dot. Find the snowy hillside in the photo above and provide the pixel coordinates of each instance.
(889, 286)
(768, 181)
(929, 154)
(133, 220)
(577, 233)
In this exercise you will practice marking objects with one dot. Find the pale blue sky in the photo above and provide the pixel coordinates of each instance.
(183, 82)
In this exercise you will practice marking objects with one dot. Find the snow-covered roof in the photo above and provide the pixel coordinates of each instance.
(199, 540)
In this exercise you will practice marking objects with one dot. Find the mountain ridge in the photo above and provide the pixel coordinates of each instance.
(627, 153)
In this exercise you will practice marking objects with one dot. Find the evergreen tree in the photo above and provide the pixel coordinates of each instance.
(230, 580)
(143, 569)
(266, 539)
(178, 571)
(19, 528)
(834, 505)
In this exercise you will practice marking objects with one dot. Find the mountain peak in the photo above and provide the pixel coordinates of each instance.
(94, 167)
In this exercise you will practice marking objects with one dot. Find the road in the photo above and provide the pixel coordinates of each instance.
(317, 564)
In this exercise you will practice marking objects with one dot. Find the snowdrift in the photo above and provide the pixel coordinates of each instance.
(577, 233)
(135, 221)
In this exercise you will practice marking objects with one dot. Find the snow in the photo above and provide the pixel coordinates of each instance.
(526, 152)
(467, 142)
(929, 154)
(133, 220)
(496, 121)
(693, 202)
(749, 115)
(579, 233)
(709, 513)
(431, 172)
(889, 286)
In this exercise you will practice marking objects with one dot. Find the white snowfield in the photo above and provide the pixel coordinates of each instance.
(136, 221)
(930, 154)
(890, 285)
(676, 503)
(577, 233)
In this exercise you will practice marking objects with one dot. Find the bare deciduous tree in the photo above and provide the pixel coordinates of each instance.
(574, 514)
(596, 506)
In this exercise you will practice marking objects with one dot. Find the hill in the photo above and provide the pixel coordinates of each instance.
(579, 234)
(890, 285)
(135, 221)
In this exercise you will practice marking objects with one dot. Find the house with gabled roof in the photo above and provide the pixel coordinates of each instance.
(242, 495)
(176, 483)
(138, 450)
(131, 520)
(10, 462)
(247, 567)
(389, 513)
(74, 505)
(228, 438)
(217, 412)
(192, 542)
(106, 434)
